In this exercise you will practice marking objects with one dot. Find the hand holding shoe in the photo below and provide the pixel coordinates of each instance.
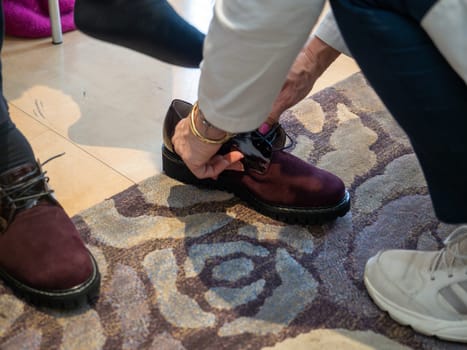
(200, 157)
(274, 182)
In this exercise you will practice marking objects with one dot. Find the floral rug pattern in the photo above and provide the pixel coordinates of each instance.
(185, 268)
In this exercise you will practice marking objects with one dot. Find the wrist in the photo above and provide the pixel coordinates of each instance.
(320, 55)
(204, 130)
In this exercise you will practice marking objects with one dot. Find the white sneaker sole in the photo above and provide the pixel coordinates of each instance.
(446, 330)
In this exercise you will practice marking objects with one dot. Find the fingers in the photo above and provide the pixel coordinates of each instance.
(237, 166)
(217, 164)
(234, 158)
(275, 114)
(200, 157)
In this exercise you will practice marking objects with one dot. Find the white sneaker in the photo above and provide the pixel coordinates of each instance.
(426, 290)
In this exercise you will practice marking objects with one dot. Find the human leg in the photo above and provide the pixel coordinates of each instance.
(14, 148)
(151, 27)
(42, 256)
(427, 290)
(420, 89)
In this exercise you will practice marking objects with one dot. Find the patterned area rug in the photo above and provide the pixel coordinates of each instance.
(185, 268)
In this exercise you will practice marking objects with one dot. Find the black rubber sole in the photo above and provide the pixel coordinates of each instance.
(86, 293)
(175, 168)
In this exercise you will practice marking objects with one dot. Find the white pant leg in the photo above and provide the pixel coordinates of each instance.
(248, 51)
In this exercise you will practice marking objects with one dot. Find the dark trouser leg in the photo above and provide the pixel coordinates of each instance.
(4, 115)
(42, 256)
(14, 148)
(419, 88)
(151, 27)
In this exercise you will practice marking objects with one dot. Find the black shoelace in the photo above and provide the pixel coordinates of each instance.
(25, 192)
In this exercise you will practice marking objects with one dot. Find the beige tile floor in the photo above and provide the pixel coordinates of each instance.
(103, 105)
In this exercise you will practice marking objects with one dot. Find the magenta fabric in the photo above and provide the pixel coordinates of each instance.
(30, 18)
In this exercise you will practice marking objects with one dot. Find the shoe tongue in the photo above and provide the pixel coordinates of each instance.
(11, 176)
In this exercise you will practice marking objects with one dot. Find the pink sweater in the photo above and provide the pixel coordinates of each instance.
(30, 18)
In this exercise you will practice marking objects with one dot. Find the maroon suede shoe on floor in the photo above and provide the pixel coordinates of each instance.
(275, 182)
(42, 256)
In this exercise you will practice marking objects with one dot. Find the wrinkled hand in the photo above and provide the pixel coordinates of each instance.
(309, 65)
(201, 157)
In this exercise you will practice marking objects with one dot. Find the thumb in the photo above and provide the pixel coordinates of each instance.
(237, 166)
(219, 163)
(234, 158)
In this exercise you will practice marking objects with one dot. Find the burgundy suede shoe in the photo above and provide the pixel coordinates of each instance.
(275, 182)
(42, 256)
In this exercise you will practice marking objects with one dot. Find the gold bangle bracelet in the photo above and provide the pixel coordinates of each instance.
(202, 138)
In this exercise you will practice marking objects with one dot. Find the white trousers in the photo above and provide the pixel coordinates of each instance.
(247, 54)
(251, 45)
